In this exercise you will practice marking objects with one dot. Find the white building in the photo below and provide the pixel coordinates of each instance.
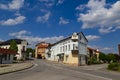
(6, 56)
(71, 50)
(22, 45)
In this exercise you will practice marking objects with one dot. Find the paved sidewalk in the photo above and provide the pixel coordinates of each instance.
(15, 67)
(94, 67)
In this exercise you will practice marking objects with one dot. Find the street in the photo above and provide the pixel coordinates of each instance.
(45, 70)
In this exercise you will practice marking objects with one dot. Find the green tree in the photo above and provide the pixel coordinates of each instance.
(30, 50)
(117, 57)
(102, 57)
(13, 45)
(110, 57)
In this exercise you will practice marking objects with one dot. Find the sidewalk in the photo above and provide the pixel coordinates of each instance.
(15, 67)
(86, 67)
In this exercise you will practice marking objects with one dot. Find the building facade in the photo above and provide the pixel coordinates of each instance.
(40, 49)
(21, 44)
(71, 50)
(6, 56)
(93, 53)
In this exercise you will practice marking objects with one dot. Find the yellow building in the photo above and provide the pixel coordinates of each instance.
(40, 50)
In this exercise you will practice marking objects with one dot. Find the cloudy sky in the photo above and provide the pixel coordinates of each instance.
(53, 20)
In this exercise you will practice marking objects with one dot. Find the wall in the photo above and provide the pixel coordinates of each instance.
(20, 48)
(7, 61)
(65, 47)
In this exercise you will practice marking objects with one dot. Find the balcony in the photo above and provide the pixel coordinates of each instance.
(74, 51)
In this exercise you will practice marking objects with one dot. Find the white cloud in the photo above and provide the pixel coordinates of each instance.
(80, 7)
(107, 30)
(17, 14)
(9, 22)
(22, 32)
(106, 49)
(44, 18)
(2, 6)
(92, 37)
(44, 10)
(60, 2)
(63, 21)
(13, 5)
(48, 3)
(44, 0)
(33, 39)
(98, 15)
(1, 40)
(103, 49)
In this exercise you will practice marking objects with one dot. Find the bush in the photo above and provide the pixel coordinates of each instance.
(93, 61)
(114, 66)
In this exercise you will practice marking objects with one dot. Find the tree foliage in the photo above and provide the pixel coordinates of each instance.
(13, 45)
(102, 57)
(30, 50)
(117, 57)
(110, 57)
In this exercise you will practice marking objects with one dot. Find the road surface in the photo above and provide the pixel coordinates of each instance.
(44, 70)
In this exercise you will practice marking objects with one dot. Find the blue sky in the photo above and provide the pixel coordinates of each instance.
(53, 20)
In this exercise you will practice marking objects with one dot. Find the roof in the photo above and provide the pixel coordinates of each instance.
(43, 46)
(42, 43)
(7, 51)
(18, 41)
(69, 38)
(92, 49)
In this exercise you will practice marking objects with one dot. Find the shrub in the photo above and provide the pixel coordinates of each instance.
(93, 61)
(114, 66)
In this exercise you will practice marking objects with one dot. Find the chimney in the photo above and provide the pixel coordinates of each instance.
(119, 48)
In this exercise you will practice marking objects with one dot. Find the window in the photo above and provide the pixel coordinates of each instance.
(9, 57)
(74, 47)
(66, 47)
(5, 56)
(23, 48)
(63, 49)
(69, 47)
(60, 49)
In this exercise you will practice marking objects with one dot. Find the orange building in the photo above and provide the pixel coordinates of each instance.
(40, 49)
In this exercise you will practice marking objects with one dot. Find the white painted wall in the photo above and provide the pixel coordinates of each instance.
(8, 61)
(66, 46)
(20, 48)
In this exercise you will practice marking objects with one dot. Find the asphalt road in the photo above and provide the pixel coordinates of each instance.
(44, 70)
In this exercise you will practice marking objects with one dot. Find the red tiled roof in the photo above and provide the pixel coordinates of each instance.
(92, 49)
(43, 46)
(7, 51)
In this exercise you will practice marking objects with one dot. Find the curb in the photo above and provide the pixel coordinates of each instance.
(16, 70)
